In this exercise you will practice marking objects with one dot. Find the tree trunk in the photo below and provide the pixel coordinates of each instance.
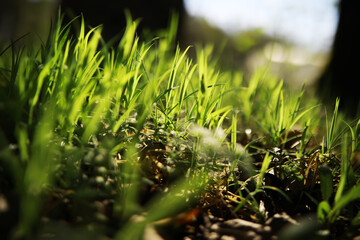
(342, 75)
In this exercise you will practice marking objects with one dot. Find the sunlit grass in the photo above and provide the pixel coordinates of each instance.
(151, 132)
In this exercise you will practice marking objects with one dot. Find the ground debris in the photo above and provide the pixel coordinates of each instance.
(213, 228)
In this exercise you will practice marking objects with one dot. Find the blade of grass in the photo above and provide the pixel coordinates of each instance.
(264, 168)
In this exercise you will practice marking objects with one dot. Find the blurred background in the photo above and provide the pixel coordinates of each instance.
(295, 38)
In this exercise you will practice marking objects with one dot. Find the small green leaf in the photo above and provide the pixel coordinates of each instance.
(323, 211)
(326, 184)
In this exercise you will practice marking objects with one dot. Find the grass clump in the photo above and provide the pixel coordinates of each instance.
(114, 141)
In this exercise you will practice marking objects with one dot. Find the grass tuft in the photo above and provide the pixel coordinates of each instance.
(117, 141)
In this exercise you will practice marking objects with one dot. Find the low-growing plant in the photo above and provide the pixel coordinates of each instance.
(347, 191)
(115, 140)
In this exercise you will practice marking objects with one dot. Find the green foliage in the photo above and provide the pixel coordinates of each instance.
(355, 136)
(347, 191)
(264, 167)
(150, 132)
(331, 129)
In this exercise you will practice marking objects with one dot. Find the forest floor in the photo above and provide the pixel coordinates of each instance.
(139, 141)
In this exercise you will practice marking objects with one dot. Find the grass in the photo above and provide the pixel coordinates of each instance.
(114, 140)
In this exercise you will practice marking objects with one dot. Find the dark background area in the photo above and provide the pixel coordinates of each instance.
(18, 17)
(153, 15)
(339, 79)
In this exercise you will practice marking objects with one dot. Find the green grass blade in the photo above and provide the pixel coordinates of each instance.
(264, 167)
(350, 196)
